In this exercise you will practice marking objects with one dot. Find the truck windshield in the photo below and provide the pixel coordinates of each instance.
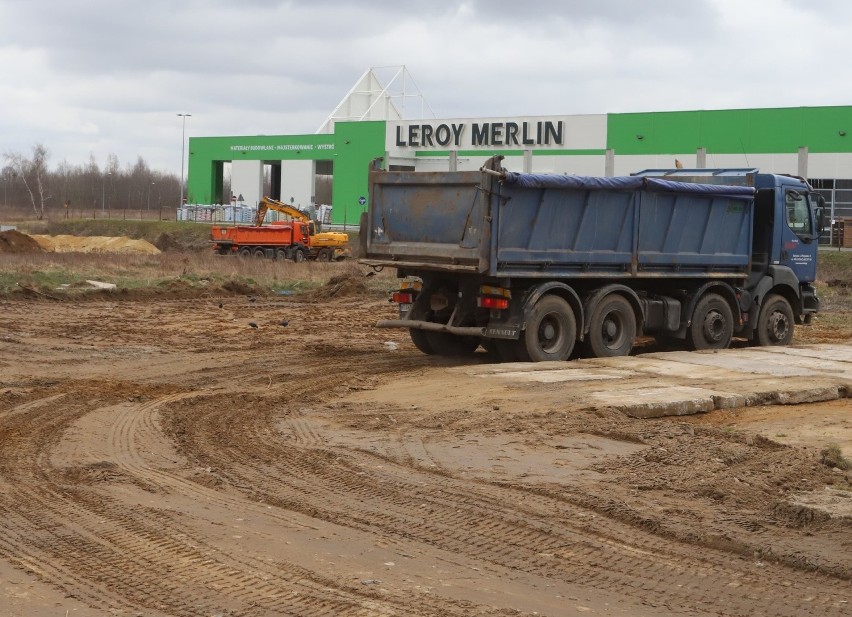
(798, 214)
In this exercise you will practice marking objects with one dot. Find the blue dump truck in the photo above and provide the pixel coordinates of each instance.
(537, 267)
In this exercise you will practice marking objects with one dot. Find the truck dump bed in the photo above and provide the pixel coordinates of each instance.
(536, 225)
(251, 235)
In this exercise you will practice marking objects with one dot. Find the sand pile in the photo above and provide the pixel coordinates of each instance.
(95, 244)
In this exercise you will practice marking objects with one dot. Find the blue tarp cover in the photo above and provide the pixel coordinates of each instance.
(622, 183)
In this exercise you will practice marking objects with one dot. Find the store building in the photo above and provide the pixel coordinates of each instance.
(811, 142)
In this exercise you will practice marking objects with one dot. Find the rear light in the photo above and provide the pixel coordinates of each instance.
(492, 303)
(494, 298)
(402, 297)
(490, 290)
(409, 287)
(411, 283)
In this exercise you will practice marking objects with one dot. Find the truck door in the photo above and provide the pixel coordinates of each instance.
(798, 239)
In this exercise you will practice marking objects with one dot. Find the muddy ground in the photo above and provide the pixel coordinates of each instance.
(167, 457)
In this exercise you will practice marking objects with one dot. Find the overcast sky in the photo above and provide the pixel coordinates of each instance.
(93, 78)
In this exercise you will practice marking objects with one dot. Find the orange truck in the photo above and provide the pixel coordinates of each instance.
(290, 240)
(297, 239)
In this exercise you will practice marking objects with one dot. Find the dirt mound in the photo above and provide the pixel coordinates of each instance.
(15, 242)
(167, 242)
(242, 289)
(347, 284)
(95, 244)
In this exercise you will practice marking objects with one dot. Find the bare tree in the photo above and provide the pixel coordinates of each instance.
(33, 173)
(8, 174)
(80, 187)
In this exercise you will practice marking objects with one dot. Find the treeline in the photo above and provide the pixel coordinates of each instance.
(28, 182)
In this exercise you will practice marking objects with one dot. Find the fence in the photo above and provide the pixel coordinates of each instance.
(238, 215)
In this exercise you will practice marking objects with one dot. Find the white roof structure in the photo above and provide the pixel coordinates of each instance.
(381, 93)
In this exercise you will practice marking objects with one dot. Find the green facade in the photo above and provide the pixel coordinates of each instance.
(356, 144)
(351, 148)
(207, 154)
(736, 131)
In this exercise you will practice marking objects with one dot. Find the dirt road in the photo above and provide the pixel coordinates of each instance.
(164, 457)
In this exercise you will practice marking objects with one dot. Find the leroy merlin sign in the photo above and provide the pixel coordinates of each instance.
(515, 132)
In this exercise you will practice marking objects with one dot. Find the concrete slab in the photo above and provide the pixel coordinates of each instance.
(658, 401)
(839, 353)
(680, 382)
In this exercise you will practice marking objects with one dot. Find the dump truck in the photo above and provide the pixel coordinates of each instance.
(298, 239)
(536, 267)
(281, 240)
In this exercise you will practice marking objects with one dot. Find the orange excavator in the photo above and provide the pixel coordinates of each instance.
(298, 238)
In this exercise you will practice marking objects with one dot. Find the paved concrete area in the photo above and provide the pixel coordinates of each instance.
(681, 382)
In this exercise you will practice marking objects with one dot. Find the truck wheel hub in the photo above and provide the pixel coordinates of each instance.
(778, 325)
(714, 326)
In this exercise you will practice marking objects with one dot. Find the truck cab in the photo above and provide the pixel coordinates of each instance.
(785, 231)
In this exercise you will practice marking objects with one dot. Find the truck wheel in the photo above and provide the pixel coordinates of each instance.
(324, 255)
(712, 324)
(451, 344)
(550, 333)
(775, 322)
(420, 340)
(612, 328)
(245, 252)
(506, 350)
(281, 254)
(259, 253)
(299, 256)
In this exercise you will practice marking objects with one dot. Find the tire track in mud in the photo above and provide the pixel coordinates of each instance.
(77, 538)
(115, 559)
(538, 534)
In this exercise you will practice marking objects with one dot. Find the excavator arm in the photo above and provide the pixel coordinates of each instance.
(267, 203)
(331, 243)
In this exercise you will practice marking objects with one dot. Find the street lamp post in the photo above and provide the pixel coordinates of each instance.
(148, 206)
(182, 144)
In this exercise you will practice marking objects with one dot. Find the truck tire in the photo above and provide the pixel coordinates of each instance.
(420, 340)
(259, 253)
(299, 255)
(775, 322)
(712, 324)
(245, 252)
(446, 344)
(281, 254)
(506, 350)
(324, 255)
(550, 333)
(612, 328)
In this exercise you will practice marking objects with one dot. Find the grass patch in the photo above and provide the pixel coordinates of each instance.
(834, 265)
(54, 273)
(831, 456)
